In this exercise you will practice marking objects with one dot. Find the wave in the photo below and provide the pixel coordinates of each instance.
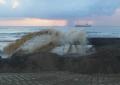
(10, 34)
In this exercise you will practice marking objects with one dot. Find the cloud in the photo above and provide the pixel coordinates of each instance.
(62, 9)
(32, 22)
(2, 2)
(97, 12)
(15, 4)
(112, 20)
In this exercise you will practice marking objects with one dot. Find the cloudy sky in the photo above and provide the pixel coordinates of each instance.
(59, 12)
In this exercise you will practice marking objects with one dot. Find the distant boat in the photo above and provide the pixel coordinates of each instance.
(86, 25)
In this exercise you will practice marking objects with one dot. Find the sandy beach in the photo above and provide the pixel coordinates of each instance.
(58, 78)
(102, 67)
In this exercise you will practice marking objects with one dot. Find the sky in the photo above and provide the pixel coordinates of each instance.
(59, 12)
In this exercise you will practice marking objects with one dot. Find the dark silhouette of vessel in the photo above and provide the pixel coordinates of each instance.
(86, 25)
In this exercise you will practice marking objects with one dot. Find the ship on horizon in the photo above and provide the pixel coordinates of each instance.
(86, 25)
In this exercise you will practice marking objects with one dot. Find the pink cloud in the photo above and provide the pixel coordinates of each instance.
(32, 22)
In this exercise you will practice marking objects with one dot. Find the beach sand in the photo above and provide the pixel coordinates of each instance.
(58, 78)
(40, 68)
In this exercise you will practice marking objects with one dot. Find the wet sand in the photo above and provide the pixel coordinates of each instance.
(104, 41)
(57, 78)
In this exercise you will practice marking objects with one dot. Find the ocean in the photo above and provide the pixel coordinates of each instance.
(10, 34)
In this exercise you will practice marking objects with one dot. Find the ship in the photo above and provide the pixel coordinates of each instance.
(86, 25)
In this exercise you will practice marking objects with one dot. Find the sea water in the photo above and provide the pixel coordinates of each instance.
(10, 34)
